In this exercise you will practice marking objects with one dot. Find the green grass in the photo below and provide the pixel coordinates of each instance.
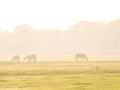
(59, 76)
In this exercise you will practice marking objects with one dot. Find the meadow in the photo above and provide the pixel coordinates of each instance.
(59, 75)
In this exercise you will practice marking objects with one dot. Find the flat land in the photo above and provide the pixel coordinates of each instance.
(60, 76)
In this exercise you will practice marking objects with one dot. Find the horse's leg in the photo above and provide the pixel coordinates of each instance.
(76, 58)
(86, 58)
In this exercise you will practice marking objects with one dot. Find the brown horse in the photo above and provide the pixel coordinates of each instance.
(31, 58)
(82, 56)
(15, 58)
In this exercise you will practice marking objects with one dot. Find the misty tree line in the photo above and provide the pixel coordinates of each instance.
(92, 38)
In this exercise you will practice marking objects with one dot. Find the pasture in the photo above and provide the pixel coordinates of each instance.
(60, 76)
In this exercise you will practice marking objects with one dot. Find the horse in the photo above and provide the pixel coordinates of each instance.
(30, 58)
(15, 58)
(82, 56)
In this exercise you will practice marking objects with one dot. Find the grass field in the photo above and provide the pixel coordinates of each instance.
(60, 76)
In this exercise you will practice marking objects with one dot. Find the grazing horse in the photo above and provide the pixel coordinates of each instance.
(30, 58)
(82, 56)
(15, 58)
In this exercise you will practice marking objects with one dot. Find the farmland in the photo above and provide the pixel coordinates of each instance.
(59, 75)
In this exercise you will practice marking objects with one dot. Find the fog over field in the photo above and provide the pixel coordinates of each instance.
(93, 38)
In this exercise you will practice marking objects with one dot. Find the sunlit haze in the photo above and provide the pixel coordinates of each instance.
(59, 45)
(57, 14)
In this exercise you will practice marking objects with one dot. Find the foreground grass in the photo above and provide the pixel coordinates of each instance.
(59, 76)
(61, 82)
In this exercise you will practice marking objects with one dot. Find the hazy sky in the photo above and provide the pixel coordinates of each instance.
(58, 14)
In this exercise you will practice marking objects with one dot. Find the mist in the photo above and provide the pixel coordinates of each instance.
(92, 38)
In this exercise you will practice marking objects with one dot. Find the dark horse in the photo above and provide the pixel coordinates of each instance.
(15, 58)
(82, 56)
(31, 58)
